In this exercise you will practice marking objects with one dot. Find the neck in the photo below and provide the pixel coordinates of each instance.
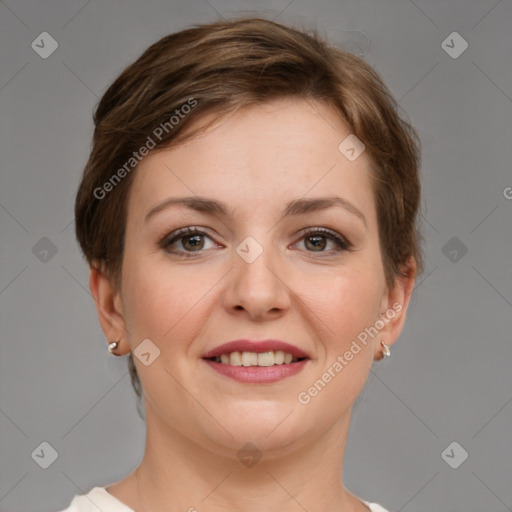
(176, 471)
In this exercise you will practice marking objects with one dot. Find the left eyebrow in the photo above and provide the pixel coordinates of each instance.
(296, 207)
(307, 205)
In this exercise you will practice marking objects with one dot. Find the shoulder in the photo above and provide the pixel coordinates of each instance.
(96, 499)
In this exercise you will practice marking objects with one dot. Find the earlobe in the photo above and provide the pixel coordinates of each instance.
(108, 306)
(395, 308)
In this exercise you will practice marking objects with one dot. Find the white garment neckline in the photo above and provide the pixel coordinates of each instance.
(101, 494)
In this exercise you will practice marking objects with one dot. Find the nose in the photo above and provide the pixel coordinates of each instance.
(257, 289)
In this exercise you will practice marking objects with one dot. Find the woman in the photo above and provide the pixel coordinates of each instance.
(248, 213)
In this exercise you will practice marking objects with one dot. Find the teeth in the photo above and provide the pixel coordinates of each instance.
(266, 359)
(278, 357)
(235, 359)
(249, 359)
(256, 359)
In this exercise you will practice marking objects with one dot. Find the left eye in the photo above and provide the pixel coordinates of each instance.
(317, 240)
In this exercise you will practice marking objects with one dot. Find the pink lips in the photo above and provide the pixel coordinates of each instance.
(256, 374)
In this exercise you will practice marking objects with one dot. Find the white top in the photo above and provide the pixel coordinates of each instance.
(98, 498)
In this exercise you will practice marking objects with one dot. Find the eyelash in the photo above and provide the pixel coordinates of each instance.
(342, 243)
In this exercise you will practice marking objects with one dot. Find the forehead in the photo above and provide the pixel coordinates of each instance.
(277, 151)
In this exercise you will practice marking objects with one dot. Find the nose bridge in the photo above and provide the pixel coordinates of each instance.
(255, 283)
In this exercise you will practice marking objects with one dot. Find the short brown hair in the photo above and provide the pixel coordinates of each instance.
(221, 67)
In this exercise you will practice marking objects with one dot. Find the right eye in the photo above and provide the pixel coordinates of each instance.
(186, 240)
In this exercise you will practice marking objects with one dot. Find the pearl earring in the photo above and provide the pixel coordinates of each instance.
(112, 346)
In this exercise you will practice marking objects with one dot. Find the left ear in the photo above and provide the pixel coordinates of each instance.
(394, 307)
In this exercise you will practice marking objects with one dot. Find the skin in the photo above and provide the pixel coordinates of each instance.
(318, 298)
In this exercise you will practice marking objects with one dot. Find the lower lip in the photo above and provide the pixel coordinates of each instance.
(258, 374)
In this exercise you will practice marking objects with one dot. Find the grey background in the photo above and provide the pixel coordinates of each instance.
(448, 378)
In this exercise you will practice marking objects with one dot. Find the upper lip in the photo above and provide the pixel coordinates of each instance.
(255, 346)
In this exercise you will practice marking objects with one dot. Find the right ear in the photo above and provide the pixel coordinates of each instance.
(109, 307)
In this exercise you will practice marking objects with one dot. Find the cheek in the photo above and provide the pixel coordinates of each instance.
(345, 302)
(343, 307)
(163, 299)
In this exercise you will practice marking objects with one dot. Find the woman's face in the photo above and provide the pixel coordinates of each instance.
(270, 263)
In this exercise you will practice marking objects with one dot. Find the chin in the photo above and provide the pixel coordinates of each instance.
(268, 428)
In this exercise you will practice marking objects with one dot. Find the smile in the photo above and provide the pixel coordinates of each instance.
(257, 368)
